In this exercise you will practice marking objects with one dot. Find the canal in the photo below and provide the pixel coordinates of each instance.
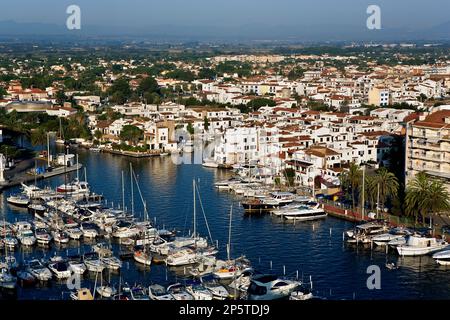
(316, 249)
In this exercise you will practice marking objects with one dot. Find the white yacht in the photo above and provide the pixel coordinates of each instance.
(418, 246)
(242, 282)
(182, 257)
(76, 264)
(38, 270)
(142, 257)
(26, 237)
(157, 292)
(209, 163)
(93, 262)
(270, 287)
(442, 257)
(19, 200)
(304, 213)
(43, 237)
(61, 269)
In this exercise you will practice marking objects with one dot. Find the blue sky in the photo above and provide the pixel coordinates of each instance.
(409, 14)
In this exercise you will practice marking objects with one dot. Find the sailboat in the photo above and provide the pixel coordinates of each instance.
(7, 280)
(192, 254)
(230, 269)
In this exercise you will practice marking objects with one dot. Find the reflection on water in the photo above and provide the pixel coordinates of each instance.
(316, 248)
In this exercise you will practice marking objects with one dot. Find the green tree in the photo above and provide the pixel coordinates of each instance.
(60, 97)
(190, 128)
(351, 180)
(3, 93)
(289, 175)
(425, 195)
(387, 184)
(148, 85)
(38, 137)
(98, 134)
(131, 134)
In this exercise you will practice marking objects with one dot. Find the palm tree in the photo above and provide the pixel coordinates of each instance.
(38, 137)
(370, 190)
(387, 184)
(351, 179)
(426, 195)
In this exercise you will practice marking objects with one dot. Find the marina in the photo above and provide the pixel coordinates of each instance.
(115, 252)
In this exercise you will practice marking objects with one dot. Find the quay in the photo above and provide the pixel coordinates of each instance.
(24, 177)
(151, 153)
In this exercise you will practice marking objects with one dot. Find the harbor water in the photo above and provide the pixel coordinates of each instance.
(317, 249)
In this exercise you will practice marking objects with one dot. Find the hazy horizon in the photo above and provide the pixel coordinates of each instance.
(260, 19)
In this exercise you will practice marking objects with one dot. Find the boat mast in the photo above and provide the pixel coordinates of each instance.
(132, 191)
(123, 193)
(78, 170)
(229, 234)
(195, 222)
(48, 149)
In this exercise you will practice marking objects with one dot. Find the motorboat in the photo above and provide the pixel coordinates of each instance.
(218, 291)
(25, 278)
(138, 292)
(143, 257)
(106, 291)
(112, 263)
(158, 292)
(75, 189)
(231, 269)
(242, 282)
(9, 241)
(273, 201)
(420, 245)
(209, 163)
(270, 287)
(36, 208)
(74, 233)
(7, 280)
(103, 249)
(198, 291)
(125, 229)
(179, 292)
(442, 257)
(301, 293)
(305, 213)
(76, 264)
(19, 200)
(364, 232)
(38, 270)
(93, 262)
(393, 234)
(26, 237)
(89, 230)
(182, 257)
(60, 237)
(43, 237)
(61, 269)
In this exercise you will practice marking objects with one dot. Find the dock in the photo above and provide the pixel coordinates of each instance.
(152, 153)
(25, 177)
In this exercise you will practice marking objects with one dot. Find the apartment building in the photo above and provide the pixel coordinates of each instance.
(428, 145)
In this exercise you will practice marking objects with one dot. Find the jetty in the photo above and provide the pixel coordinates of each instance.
(24, 177)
